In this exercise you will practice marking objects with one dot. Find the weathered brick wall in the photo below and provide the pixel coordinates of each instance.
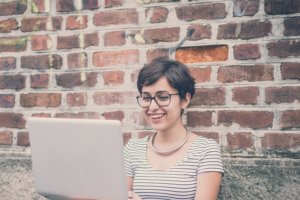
(79, 59)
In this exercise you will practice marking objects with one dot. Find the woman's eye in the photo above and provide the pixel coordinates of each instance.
(146, 98)
(163, 97)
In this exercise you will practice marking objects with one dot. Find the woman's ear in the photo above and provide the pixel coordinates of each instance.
(186, 101)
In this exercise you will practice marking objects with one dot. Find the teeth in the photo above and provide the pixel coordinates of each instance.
(156, 116)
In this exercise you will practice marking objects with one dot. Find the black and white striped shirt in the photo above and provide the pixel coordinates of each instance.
(180, 180)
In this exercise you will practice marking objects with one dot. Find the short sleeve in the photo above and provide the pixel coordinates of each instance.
(210, 160)
(127, 159)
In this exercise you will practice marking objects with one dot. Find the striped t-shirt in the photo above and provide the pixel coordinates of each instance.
(180, 180)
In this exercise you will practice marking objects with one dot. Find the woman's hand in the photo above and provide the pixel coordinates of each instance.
(133, 196)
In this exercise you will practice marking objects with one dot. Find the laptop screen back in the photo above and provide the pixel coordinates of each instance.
(77, 158)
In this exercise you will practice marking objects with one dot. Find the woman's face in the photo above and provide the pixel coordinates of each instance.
(167, 116)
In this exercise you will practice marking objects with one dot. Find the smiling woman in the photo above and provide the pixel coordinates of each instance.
(174, 163)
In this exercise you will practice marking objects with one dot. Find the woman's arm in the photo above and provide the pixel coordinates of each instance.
(131, 194)
(208, 185)
(130, 183)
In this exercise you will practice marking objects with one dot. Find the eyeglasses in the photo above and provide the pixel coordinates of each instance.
(162, 99)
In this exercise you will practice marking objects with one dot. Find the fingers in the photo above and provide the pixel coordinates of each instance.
(130, 195)
(133, 196)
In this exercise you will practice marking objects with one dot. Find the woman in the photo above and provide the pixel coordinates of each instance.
(173, 163)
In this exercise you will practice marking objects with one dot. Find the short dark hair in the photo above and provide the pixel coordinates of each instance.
(177, 75)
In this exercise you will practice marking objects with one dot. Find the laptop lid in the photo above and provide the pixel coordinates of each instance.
(77, 158)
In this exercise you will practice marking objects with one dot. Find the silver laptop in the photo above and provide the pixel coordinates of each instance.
(77, 158)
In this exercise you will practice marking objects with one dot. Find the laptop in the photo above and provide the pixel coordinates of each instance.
(77, 158)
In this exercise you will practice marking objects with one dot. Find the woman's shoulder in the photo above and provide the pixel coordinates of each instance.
(137, 142)
(202, 143)
(204, 140)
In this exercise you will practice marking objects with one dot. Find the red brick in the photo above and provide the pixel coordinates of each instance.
(115, 115)
(199, 118)
(201, 11)
(40, 100)
(280, 141)
(90, 4)
(80, 115)
(39, 81)
(209, 97)
(8, 25)
(77, 60)
(13, 44)
(228, 31)
(202, 54)
(242, 140)
(156, 14)
(288, 70)
(39, 6)
(6, 138)
(76, 22)
(40, 42)
(255, 29)
(91, 39)
(134, 76)
(200, 74)
(200, 32)
(111, 98)
(116, 17)
(251, 73)
(246, 119)
(12, 120)
(40, 24)
(113, 3)
(290, 119)
(68, 42)
(111, 58)
(246, 51)
(7, 100)
(13, 82)
(286, 94)
(155, 1)
(248, 30)
(68, 5)
(77, 99)
(292, 26)
(284, 48)
(152, 36)
(71, 80)
(155, 53)
(114, 38)
(46, 115)
(41, 62)
(113, 77)
(278, 7)
(12, 8)
(138, 120)
(65, 5)
(245, 7)
(245, 95)
(23, 139)
(7, 63)
(209, 135)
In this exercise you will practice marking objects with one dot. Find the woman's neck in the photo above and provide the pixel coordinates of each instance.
(171, 135)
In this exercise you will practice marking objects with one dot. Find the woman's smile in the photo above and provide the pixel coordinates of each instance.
(156, 116)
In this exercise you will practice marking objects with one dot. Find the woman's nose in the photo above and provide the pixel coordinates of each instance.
(153, 104)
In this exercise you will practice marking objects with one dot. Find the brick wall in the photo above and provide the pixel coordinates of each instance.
(79, 59)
